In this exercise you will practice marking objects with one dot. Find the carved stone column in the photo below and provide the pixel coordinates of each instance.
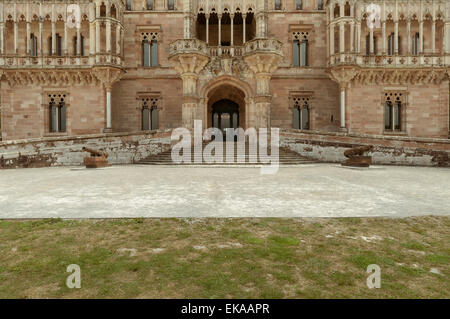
(189, 57)
(262, 57)
(108, 76)
(343, 76)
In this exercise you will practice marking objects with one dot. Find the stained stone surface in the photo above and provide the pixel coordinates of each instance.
(317, 190)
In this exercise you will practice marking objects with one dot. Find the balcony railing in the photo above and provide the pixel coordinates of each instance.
(389, 61)
(233, 51)
(16, 61)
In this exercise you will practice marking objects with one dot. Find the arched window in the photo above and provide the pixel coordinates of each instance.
(298, 4)
(150, 114)
(393, 111)
(300, 53)
(171, 4)
(128, 5)
(75, 45)
(368, 45)
(33, 45)
(277, 4)
(57, 112)
(391, 44)
(301, 113)
(319, 4)
(149, 4)
(150, 53)
(416, 44)
(58, 45)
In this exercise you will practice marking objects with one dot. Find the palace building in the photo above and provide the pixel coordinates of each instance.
(360, 67)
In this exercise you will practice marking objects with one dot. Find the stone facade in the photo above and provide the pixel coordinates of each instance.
(159, 64)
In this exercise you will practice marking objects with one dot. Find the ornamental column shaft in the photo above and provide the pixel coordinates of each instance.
(396, 37)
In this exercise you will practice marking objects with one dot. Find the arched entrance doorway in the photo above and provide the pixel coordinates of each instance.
(225, 114)
(226, 107)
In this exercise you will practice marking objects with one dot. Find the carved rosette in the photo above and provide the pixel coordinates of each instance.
(263, 57)
(107, 76)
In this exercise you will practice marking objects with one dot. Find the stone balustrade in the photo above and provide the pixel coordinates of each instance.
(183, 46)
(398, 61)
(263, 45)
(18, 62)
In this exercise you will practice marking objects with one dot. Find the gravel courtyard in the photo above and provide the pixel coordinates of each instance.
(319, 190)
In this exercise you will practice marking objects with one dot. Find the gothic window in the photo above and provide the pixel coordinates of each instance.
(58, 45)
(33, 45)
(128, 5)
(57, 112)
(149, 114)
(81, 45)
(149, 4)
(391, 44)
(319, 4)
(298, 4)
(149, 49)
(368, 44)
(393, 109)
(300, 48)
(277, 4)
(301, 113)
(416, 44)
(171, 4)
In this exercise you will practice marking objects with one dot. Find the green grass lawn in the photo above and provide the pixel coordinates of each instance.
(226, 258)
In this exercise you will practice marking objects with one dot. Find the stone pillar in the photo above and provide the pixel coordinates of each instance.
(372, 49)
(91, 28)
(108, 36)
(16, 37)
(41, 30)
(421, 36)
(244, 27)
(352, 37)
(107, 76)
(78, 42)
(28, 38)
(342, 37)
(118, 31)
(232, 30)
(189, 59)
(53, 38)
(408, 34)
(343, 89)
(97, 29)
(219, 16)
(446, 38)
(331, 39)
(2, 38)
(108, 108)
(396, 37)
(358, 37)
(433, 36)
(2, 30)
(384, 37)
(263, 61)
(66, 48)
(207, 28)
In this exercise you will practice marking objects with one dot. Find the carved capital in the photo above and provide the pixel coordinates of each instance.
(263, 57)
(107, 75)
(343, 75)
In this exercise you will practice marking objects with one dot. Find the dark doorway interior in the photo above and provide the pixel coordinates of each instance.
(225, 114)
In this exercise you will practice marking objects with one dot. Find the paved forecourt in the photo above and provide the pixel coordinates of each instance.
(316, 190)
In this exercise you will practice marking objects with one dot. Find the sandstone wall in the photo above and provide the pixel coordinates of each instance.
(330, 147)
(67, 151)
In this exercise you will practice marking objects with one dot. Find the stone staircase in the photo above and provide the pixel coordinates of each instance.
(286, 158)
